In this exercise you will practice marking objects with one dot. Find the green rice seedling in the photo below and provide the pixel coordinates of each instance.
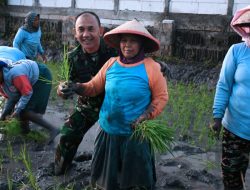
(65, 68)
(156, 133)
(10, 181)
(10, 127)
(27, 163)
(60, 70)
(10, 151)
(1, 162)
(189, 112)
(61, 74)
(38, 136)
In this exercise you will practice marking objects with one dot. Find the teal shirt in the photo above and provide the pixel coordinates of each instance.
(127, 96)
(232, 97)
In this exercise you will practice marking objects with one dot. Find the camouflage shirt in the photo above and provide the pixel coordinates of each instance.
(83, 67)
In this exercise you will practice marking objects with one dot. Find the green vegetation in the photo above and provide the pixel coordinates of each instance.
(11, 129)
(25, 158)
(156, 133)
(65, 69)
(10, 181)
(189, 112)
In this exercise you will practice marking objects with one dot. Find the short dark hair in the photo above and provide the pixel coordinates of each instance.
(89, 12)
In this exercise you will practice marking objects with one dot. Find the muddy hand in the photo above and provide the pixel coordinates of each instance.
(138, 121)
(216, 127)
(65, 90)
(70, 88)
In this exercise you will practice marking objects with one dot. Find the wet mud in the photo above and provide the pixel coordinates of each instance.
(188, 167)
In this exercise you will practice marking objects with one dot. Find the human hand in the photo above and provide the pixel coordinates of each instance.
(63, 86)
(216, 127)
(68, 89)
(138, 121)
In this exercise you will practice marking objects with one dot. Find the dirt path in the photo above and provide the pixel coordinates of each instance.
(191, 167)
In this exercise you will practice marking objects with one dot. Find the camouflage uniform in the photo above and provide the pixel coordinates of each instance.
(235, 159)
(83, 67)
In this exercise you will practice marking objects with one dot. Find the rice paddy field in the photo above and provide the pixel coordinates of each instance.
(191, 159)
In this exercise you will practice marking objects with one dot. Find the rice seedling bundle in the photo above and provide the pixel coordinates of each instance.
(156, 132)
(11, 127)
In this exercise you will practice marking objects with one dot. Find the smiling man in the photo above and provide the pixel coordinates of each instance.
(84, 61)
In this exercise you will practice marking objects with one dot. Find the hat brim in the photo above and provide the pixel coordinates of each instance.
(241, 22)
(243, 19)
(150, 43)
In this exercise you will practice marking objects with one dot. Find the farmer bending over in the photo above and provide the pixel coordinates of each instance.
(26, 85)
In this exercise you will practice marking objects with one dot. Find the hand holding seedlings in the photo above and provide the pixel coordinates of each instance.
(216, 127)
(68, 89)
(138, 121)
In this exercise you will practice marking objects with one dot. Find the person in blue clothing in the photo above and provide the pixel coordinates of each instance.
(11, 53)
(28, 37)
(26, 86)
(231, 105)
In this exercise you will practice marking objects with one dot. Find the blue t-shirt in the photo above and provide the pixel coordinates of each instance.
(127, 96)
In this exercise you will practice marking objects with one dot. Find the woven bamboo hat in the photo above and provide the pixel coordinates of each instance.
(150, 43)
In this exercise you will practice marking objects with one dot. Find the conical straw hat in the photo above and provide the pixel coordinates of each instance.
(112, 38)
(241, 22)
(243, 19)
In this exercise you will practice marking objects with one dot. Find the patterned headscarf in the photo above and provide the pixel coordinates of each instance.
(241, 24)
(28, 22)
